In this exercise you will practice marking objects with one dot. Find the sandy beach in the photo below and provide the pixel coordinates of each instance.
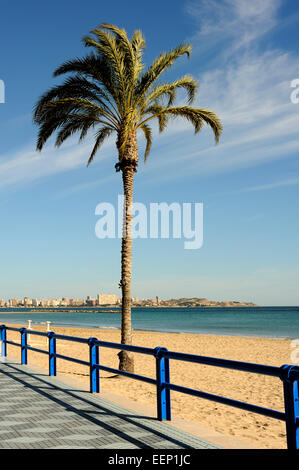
(261, 390)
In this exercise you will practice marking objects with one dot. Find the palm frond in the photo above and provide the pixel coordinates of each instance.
(169, 90)
(197, 116)
(94, 67)
(101, 135)
(110, 53)
(48, 127)
(73, 105)
(148, 136)
(138, 45)
(73, 125)
(158, 111)
(163, 62)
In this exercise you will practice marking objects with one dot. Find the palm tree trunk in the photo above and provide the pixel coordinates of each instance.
(128, 167)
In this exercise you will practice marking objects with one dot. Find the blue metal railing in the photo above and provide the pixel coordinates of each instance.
(289, 374)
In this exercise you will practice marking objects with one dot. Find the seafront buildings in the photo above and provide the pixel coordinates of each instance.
(115, 301)
(101, 299)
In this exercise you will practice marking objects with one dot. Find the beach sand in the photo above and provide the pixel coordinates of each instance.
(255, 429)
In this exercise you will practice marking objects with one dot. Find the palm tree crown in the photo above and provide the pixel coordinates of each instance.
(109, 90)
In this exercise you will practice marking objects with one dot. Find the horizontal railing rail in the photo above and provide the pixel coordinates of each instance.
(289, 374)
(225, 363)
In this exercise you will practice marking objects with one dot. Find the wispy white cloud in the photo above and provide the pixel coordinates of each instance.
(250, 92)
(26, 165)
(239, 21)
(89, 185)
(276, 184)
(252, 88)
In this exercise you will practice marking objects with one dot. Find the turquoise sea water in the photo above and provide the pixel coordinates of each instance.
(274, 322)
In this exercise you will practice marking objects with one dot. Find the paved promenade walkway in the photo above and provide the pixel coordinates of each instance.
(42, 412)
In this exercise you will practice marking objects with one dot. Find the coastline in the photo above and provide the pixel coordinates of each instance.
(160, 304)
(265, 391)
(260, 322)
(114, 328)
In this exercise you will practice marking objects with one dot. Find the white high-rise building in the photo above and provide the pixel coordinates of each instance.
(103, 299)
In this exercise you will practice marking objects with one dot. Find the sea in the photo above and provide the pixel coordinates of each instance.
(268, 322)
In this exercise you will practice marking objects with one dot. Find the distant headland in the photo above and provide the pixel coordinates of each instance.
(191, 302)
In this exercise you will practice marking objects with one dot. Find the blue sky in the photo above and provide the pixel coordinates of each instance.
(245, 56)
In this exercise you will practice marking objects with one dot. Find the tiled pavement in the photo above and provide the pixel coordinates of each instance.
(41, 412)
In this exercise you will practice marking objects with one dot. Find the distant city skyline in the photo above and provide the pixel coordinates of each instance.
(100, 299)
(246, 61)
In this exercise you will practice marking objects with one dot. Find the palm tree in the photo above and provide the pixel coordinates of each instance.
(110, 90)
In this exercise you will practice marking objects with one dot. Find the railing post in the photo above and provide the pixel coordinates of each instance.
(48, 330)
(163, 392)
(93, 362)
(3, 340)
(23, 345)
(52, 352)
(291, 402)
(29, 328)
